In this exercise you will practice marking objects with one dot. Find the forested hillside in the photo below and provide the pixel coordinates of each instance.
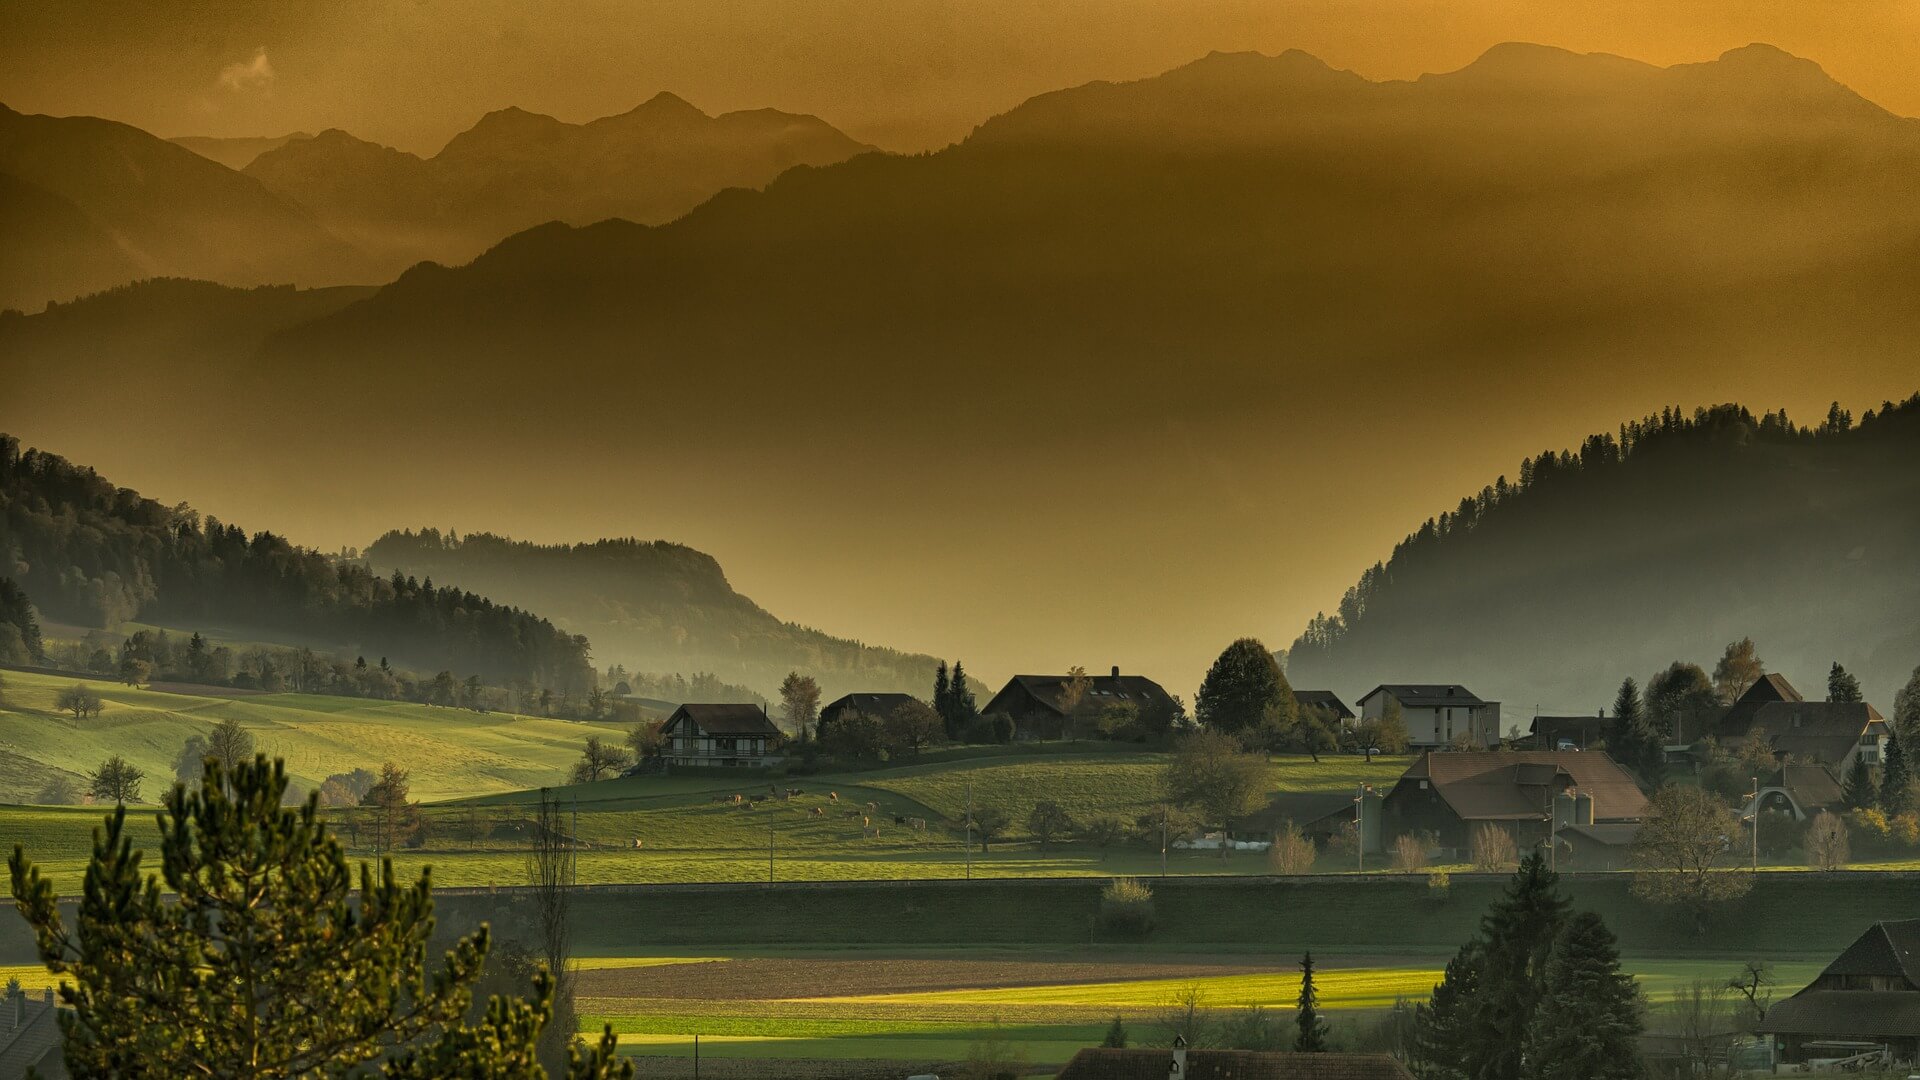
(92, 554)
(1665, 541)
(654, 606)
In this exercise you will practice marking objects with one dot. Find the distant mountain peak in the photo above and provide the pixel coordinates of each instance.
(667, 103)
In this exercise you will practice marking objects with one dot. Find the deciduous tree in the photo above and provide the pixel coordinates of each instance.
(598, 760)
(1680, 701)
(230, 744)
(116, 780)
(1738, 669)
(800, 704)
(79, 699)
(1241, 686)
(1826, 842)
(1210, 773)
(1047, 821)
(1679, 853)
(913, 725)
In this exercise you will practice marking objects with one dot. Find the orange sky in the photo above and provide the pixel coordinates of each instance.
(905, 74)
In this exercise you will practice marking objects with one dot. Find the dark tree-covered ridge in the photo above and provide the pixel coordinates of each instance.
(94, 554)
(1667, 540)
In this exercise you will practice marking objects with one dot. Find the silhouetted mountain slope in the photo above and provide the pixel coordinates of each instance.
(515, 169)
(654, 607)
(52, 247)
(1667, 542)
(236, 153)
(171, 211)
(92, 554)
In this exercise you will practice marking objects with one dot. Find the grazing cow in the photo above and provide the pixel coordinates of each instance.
(851, 814)
(870, 833)
(833, 796)
(873, 808)
(759, 798)
(820, 811)
(918, 824)
(898, 820)
(636, 844)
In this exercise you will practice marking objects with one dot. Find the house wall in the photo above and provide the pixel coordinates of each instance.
(1430, 727)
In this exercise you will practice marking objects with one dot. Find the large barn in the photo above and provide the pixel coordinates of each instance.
(1867, 1000)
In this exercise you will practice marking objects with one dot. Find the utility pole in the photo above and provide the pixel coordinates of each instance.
(1359, 834)
(573, 872)
(1163, 839)
(1755, 807)
(969, 828)
(769, 850)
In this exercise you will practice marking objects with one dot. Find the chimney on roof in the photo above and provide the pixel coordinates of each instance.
(1116, 671)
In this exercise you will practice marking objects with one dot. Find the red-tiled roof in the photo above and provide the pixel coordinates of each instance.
(1519, 785)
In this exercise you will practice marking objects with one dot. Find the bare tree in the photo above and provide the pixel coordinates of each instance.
(1700, 1019)
(1291, 852)
(395, 816)
(1409, 852)
(230, 743)
(1826, 842)
(79, 699)
(1678, 853)
(1492, 848)
(1754, 983)
(550, 864)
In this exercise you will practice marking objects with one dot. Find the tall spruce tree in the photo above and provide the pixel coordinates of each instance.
(263, 965)
(961, 698)
(1587, 1022)
(1628, 719)
(1896, 778)
(1859, 792)
(1312, 1038)
(1443, 1026)
(1517, 934)
(1841, 685)
(943, 697)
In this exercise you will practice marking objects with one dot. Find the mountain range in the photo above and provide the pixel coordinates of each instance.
(1239, 319)
(94, 204)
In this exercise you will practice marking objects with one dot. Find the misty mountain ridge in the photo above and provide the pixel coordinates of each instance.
(653, 606)
(1665, 542)
(117, 203)
(515, 169)
(236, 153)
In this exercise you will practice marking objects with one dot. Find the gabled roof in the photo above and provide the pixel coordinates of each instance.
(724, 719)
(1324, 699)
(1891, 947)
(1510, 785)
(1815, 730)
(1303, 808)
(879, 706)
(1425, 695)
(1102, 690)
(1151, 1063)
(35, 1041)
(1608, 834)
(1811, 787)
(1769, 688)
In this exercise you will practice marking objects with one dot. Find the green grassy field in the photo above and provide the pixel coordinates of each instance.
(451, 753)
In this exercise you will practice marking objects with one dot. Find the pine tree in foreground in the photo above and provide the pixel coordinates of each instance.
(1443, 1026)
(1517, 933)
(263, 967)
(1313, 1030)
(1587, 1023)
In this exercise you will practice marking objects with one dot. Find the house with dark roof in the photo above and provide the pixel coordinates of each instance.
(1319, 815)
(1040, 705)
(1800, 790)
(30, 1036)
(720, 736)
(878, 706)
(1450, 794)
(1154, 1063)
(1327, 701)
(1868, 999)
(1830, 733)
(1436, 714)
(1768, 689)
(1568, 732)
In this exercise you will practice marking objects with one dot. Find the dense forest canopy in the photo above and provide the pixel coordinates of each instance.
(653, 605)
(92, 554)
(1678, 534)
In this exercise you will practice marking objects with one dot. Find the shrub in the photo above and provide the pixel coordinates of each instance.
(1827, 842)
(1409, 852)
(1292, 852)
(1103, 832)
(1870, 828)
(1439, 886)
(1492, 849)
(1126, 907)
(1779, 833)
(1904, 830)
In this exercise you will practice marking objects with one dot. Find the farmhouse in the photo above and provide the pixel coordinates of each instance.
(1825, 732)
(1041, 705)
(878, 706)
(1148, 1063)
(1568, 732)
(1436, 714)
(1326, 701)
(1800, 790)
(724, 736)
(1867, 999)
(1450, 794)
(1770, 688)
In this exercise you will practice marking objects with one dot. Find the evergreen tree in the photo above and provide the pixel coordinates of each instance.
(1518, 933)
(1587, 1022)
(1896, 778)
(1444, 1025)
(1628, 721)
(1116, 1037)
(964, 709)
(943, 697)
(262, 965)
(1313, 1030)
(1243, 688)
(1859, 792)
(1841, 685)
